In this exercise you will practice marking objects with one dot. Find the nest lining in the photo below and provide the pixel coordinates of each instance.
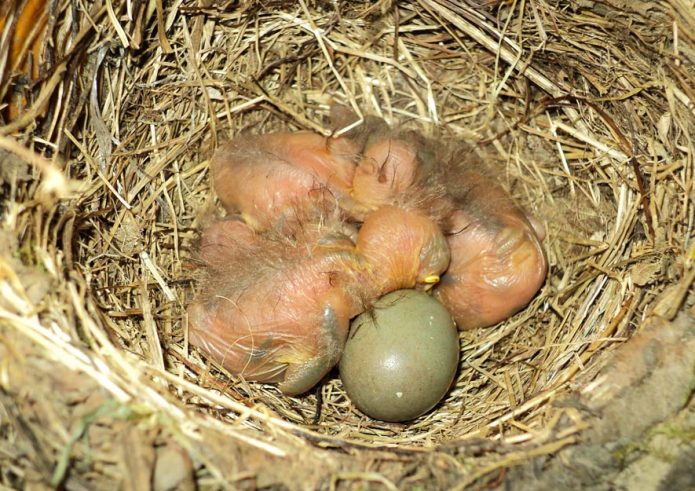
(590, 134)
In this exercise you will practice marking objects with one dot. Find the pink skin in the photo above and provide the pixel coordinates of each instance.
(268, 178)
(278, 307)
(280, 312)
(404, 249)
(215, 245)
(497, 264)
(388, 168)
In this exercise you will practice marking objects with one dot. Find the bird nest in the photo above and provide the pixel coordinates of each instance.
(111, 112)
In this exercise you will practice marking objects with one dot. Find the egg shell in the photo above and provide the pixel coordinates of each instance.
(401, 357)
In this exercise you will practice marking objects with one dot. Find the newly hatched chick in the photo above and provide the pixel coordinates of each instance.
(278, 305)
(388, 169)
(400, 236)
(277, 309)
(404, 248)
(497, 262)
(268, 179)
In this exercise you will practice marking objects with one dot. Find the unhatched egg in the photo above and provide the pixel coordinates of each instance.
(401, 357)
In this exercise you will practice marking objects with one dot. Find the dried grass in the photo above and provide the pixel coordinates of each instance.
(587, 113)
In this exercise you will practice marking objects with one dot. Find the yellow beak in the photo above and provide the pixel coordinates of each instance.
(430, 281)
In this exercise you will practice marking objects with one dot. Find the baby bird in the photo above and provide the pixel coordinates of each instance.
(277, 306)
(388, 169)
(277, 309)
(288, 273)
(403, 248)
(268, 179)
(497, 262)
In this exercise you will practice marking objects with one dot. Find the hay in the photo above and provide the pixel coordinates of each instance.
(586, 111)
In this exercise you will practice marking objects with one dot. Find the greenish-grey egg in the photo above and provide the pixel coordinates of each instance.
(401, 357)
